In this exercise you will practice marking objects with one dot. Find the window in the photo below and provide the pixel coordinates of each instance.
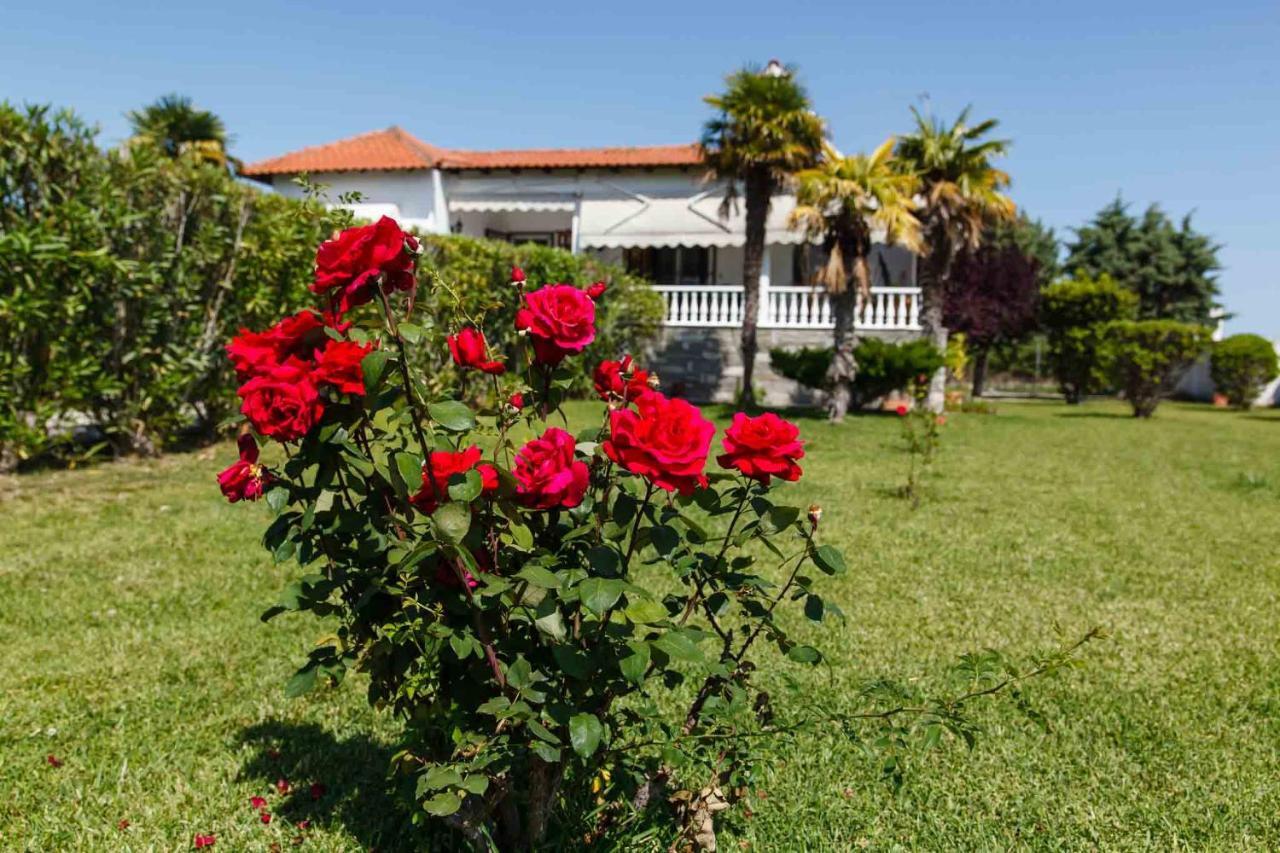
(806, 261)
(680, 265)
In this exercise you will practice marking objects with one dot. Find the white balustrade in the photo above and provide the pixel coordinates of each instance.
(889, 308)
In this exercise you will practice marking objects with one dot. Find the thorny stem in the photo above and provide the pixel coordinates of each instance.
(631, 549)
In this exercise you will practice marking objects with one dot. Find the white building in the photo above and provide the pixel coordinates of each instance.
(648, 209)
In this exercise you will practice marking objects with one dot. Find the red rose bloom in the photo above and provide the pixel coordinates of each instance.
(284, 403)
(666, 442)
(444, 464)
(619, 380)
(597, 290)
(763, 447)
(244, 480)
(901, 410)
(517, 401)
(256, 353)
(560, 320)
(469, 349)
(202, 841)
(349, 266)
(339, 365)
(547, 472)
(258, 802)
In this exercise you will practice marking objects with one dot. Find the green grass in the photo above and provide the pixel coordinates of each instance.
(131, 649)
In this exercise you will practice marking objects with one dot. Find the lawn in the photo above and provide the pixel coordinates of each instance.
(130, 649)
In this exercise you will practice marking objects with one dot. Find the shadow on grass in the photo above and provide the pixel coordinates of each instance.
(1122, 416)
(353, 773)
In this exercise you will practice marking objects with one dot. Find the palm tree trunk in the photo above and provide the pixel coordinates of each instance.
(937, 271)
(757, 203)
(844, 367)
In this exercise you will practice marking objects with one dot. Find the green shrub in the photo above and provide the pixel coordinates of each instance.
(123, 273)
(883, 367)
(1146, 356)
(1241, 365)
(477, 273)
(1074, 313)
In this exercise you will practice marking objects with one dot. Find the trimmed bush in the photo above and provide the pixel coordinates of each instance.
(1147, 355)
(1241, 365)
(883, 367)
(1074, 314)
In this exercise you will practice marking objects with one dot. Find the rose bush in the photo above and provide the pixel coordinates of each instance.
(528, 602)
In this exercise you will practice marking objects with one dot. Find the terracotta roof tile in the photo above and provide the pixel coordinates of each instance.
(394, 148)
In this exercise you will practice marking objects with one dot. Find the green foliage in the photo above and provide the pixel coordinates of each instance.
(1074, 314)
(883, 366)
(1147, 355)
(473, 276)
(1034, 239)
(124, 273)
(1241, 365)
(1169, 267)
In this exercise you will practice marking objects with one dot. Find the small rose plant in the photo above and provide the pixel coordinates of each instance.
(520, 596)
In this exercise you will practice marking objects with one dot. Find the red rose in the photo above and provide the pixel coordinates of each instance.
(255, 353)
(616, 380)
(244, 480)
(283, 403)
(597, 290)
(469, 349)
(349, 266)
(339, 365)
(444, 464)
(560, 320)
(666, 442)
(517, 275)
(517, 401)
(763, 447)
(901, 410)
(547, 472)
(202, 841)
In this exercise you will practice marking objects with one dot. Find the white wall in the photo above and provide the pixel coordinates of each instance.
(410, 191)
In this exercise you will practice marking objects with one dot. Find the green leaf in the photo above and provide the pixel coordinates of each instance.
(814, 608)
(466, 487)
(522, 536)
(829, 559)
(600, 594)
(542, 732)
(411, 332)
(539, 577)
(443, 805)
(374, 367)
(453, 520)
(678, 645)
(439, 776)
(545, 751)
(452, 415)
(665, 539)
(603, 560)
(778, 518)
(476, 784)
(406, 473)
(804, 654)
(585, 732)
(303, 681)
(552, 625)
(634, 665)
(278, 498)
(645, 611)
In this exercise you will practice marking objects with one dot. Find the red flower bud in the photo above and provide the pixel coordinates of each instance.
(202, 841)
(469, 349)
(597, 290)
(901, 410)
(517, 275)
(517, 401)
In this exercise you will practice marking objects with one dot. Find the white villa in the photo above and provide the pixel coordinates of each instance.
(646, 208)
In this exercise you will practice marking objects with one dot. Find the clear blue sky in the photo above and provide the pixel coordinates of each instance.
(1173, 102)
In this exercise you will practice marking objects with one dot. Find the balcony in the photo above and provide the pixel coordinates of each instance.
(718, 306)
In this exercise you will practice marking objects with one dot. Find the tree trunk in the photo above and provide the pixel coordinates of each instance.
(758, 186)
(844, 367)
(980, 361)
(933, 296)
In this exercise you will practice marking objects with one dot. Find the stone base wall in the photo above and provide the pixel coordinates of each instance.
(704, 365)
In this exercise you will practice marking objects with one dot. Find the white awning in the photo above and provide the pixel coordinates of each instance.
(637, 220)
(523, 203)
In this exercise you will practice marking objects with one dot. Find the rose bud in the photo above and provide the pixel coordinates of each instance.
(653, 381)
(815, 514)
(597, 290)
(517, 275)
(517, 401)
(901, 410)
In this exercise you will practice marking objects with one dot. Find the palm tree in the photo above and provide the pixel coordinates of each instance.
(843, 201)
(177, 127)
(962, 194)
(765, 131)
